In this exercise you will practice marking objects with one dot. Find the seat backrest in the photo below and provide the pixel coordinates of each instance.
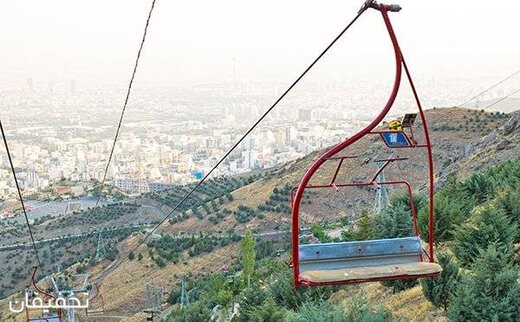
(395, 139)
(368, 248)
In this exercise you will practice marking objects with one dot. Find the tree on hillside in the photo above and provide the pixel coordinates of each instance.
(364, 227)
(439, 290)
(394, 221)
(358, 310)
(319, 232)
(193, 312)
(320, 311)
(490, 293)
(249, 299)
(248, 255)
(267, 312)
(509, 200)
(480, 187)
(449, 211)
(282, 291)
(486, 225)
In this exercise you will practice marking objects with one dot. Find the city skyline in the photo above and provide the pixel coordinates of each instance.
(62, 98)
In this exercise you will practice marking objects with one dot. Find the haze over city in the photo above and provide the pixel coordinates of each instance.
(66, 68)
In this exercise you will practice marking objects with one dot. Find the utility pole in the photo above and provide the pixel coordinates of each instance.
(382, 191)
(71, 294)
(184, 293)
(100, 249)
(152, 301)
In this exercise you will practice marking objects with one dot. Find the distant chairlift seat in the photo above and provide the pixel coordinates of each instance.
(96, 312)
(45, 319)
(363, 261)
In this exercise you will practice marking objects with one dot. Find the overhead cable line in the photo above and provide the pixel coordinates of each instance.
(126, 102)
(363, 9)
(20, 196)
(502, 99)
(490, 88)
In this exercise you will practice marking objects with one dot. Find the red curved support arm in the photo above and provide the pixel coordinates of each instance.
(317, 164)
(33, 282)
(430, 161)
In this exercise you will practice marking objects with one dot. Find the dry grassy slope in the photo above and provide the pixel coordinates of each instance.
(409, 305)
(497, 146)
(124, 288)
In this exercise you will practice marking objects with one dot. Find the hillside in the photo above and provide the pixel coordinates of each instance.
(453, 131)
(465, 141)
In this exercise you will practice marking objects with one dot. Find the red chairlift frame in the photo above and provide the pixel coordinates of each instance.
(296, 197)
(34, 284)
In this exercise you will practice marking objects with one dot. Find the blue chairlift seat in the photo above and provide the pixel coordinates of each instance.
(364, 261)
(45, 319)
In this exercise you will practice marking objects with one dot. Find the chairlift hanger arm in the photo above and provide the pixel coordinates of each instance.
(385, 162)
(35, 285)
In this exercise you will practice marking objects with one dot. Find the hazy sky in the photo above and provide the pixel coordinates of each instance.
(95, 41)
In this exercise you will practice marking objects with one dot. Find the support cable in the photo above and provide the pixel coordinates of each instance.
(502, 99)
(40, 264)
(126, 102)
(490, 88)
(186, 196)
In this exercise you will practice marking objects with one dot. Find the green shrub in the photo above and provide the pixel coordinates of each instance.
(193, 312)
(490, 293)
(486, 225)
(440, 290)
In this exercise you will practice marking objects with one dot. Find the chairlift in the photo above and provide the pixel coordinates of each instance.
(369, 260)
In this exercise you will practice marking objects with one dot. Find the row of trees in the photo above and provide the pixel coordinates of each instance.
(213, 192)
(169, 248)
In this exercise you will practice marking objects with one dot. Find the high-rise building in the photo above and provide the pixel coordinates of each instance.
(291, 135)
(304, 115)
(250, 159)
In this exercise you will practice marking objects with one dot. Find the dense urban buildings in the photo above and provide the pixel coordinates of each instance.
(172, 135)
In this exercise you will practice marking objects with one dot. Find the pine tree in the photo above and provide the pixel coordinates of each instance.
(193, 312)
(509, 200)
(480, 187)
(449, 211)
(365, 227)
(248, 255)
(267, 312)
(490, 293)
(249, 299)
(439, 290)
(394, 221)
(486, 225)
